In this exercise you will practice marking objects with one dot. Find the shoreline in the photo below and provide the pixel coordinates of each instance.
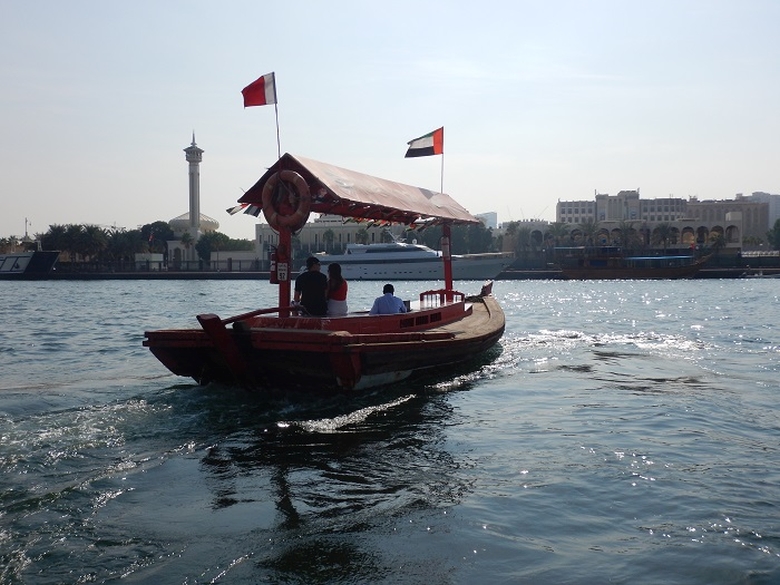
(704, 273)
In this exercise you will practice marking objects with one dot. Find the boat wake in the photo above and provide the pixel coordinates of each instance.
(340, 422)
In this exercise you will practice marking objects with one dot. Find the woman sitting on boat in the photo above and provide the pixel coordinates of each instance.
(337, 291)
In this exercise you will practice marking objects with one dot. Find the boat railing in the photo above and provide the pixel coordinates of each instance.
(250, 314)
(443, 296)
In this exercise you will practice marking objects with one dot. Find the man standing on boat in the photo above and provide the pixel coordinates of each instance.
(311, 289)
(388, 303)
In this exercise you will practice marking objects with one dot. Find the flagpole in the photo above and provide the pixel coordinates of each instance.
(278, 141)
(442, 173)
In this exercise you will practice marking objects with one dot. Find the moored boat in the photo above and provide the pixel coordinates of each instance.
(412, 261)
(277, 349)
(609, 263)
(27, 265)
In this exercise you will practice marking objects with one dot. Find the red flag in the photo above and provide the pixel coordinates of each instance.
(428, 145)
(260, 92)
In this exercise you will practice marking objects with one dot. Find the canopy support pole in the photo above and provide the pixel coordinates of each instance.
(284, 256)
(446, 235)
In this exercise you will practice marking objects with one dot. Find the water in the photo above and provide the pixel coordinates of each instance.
(625, 432)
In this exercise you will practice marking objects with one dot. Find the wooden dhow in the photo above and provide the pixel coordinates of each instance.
(278, 349)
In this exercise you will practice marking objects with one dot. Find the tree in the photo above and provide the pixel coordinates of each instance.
(73, 240)
(629, 238)
(187, 240)
(361, 237)
(157, 234)
(94, 241)
(589, 230)
(717, 242)
(5, 245)
(55, 238)
(122, 244)
(211, 242)
(557, 231)
(662, 234)
(328, 236)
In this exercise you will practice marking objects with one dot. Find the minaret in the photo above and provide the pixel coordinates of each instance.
(194, 157)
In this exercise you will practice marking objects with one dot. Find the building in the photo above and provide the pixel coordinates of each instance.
(690, 222)
(773, 202)
(181, 251)
(489, 218)
(715, 213)
(625, 206)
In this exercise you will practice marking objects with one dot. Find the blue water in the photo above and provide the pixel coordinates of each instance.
(624, 432)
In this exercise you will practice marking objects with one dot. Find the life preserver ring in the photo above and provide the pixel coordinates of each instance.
(297, 202)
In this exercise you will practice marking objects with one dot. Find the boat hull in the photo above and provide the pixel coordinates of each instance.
(27, 265)
(462, 269)
(589, 273)
(616, 267)
(331, 355)
(401, 261)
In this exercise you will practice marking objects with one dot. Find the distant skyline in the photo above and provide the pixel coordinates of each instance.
(540, 102)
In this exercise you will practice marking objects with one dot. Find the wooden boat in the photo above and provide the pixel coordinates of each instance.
(277, 349)
(609, 263)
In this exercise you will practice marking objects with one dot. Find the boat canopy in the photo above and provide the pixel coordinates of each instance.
(350, 194)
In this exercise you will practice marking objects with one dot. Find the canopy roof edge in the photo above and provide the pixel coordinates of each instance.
(351, 194)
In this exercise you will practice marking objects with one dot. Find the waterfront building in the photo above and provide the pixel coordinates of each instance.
(670, 220)
(754, 214)
(773, 203)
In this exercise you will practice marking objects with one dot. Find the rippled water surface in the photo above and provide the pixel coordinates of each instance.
(623, 432)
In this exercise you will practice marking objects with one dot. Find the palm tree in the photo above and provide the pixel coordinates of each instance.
(589, 230)
(717, 242)
(187, 241)
(629, 237)
(55, 238)
(558, 230)
(328, 236)
(94, 241)
(662, 234)
(73, 240)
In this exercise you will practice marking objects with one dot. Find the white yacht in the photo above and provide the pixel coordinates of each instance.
(402, 261)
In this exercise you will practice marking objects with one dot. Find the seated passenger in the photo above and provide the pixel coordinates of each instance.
(388, 303)
(311, 289)
(337, 292)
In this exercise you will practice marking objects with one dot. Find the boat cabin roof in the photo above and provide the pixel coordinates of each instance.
(351, 194)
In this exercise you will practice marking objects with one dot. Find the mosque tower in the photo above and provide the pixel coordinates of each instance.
(194, 222)
(194, 157)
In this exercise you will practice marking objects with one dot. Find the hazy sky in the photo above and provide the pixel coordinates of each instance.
(540, 101)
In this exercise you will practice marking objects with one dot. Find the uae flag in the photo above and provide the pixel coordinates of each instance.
(260, 92)
(428, 145)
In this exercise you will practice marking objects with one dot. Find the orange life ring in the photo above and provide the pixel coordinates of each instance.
(273, 208)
